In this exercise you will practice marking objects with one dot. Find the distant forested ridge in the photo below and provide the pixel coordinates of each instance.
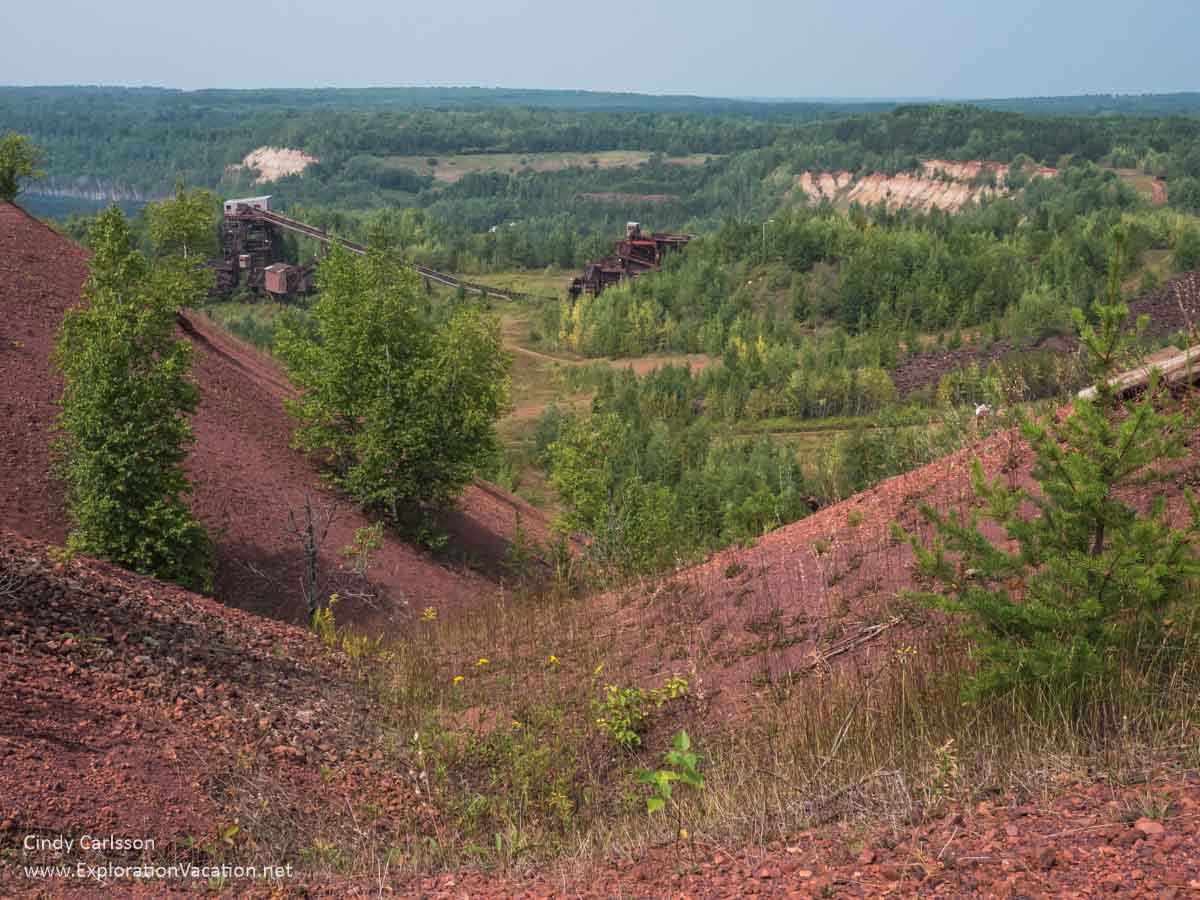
(1184, 103)
(131, 144)
(138, 140)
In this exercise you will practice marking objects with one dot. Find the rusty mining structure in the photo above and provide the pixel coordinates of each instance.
(252, 257)
(639, 252)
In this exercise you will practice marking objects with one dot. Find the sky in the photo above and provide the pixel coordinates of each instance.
(720, 48)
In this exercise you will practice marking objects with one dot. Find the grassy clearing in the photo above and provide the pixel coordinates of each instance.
(451, 168)
(1148, 187)
(254, 323)
(548, 282)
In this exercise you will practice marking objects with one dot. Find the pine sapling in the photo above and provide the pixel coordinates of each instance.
(1093, 575)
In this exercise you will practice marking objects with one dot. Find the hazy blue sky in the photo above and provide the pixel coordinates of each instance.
(947, 48)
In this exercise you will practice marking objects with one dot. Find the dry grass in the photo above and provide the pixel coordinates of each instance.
(509, 753)
(548, 283)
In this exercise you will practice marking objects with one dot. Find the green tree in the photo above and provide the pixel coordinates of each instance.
(401, 411)
(632, 521)
(19, 160)
(1184, 194)
(1187, 249)
(124, 408)
(1092, 577)
(583, 463)
(184, 226)
(183, 237)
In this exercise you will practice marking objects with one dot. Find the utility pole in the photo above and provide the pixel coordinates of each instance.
(764, 238)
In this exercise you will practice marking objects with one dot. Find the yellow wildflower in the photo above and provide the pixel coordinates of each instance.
(458, 679)
(553, 660)
(599, 669)
(429, 614)
(483, 661)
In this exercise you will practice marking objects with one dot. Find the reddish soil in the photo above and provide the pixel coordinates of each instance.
(132, 707)
(818, 593)
(40, 275)
(1087, 840)
(1175, 306)
(138, 706)
(144, 711)
(247, 478)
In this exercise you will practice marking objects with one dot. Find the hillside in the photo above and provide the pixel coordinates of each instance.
(821, 596)
(137, 709)
(477, 750)
(808, 598)
(247, 478)
(939, 185)
(1171, 308)
(143, 711)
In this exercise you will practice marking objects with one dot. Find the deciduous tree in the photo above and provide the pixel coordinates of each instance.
(19, 160)
(124, 408)
(402, 411)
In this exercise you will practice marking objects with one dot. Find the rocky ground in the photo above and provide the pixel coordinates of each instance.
(1091, 840)
(131, 706)
(137, 709)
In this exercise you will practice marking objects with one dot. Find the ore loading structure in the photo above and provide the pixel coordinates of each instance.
(252, 255)
(639, 252)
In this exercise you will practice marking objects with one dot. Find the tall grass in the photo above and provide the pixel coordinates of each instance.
(510, 755)
(254, 323)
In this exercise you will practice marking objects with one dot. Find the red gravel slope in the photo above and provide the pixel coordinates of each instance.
(140, 710)
(136, 709)
(247, 478)
(40, 275)
(823, 592)
(817, 593)
(1087, 840)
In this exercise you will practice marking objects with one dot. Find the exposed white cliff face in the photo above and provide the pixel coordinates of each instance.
(273, 163)
(940, 184)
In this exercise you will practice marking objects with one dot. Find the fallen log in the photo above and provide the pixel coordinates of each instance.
(1173, 367)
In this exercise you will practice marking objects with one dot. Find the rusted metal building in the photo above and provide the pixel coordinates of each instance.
(639, 252)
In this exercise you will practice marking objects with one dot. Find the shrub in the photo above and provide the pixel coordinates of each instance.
(681, 766)
(623, 712)
(1187, 249)
(1039, 314)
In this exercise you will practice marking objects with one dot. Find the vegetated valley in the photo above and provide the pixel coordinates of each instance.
(795, 563)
